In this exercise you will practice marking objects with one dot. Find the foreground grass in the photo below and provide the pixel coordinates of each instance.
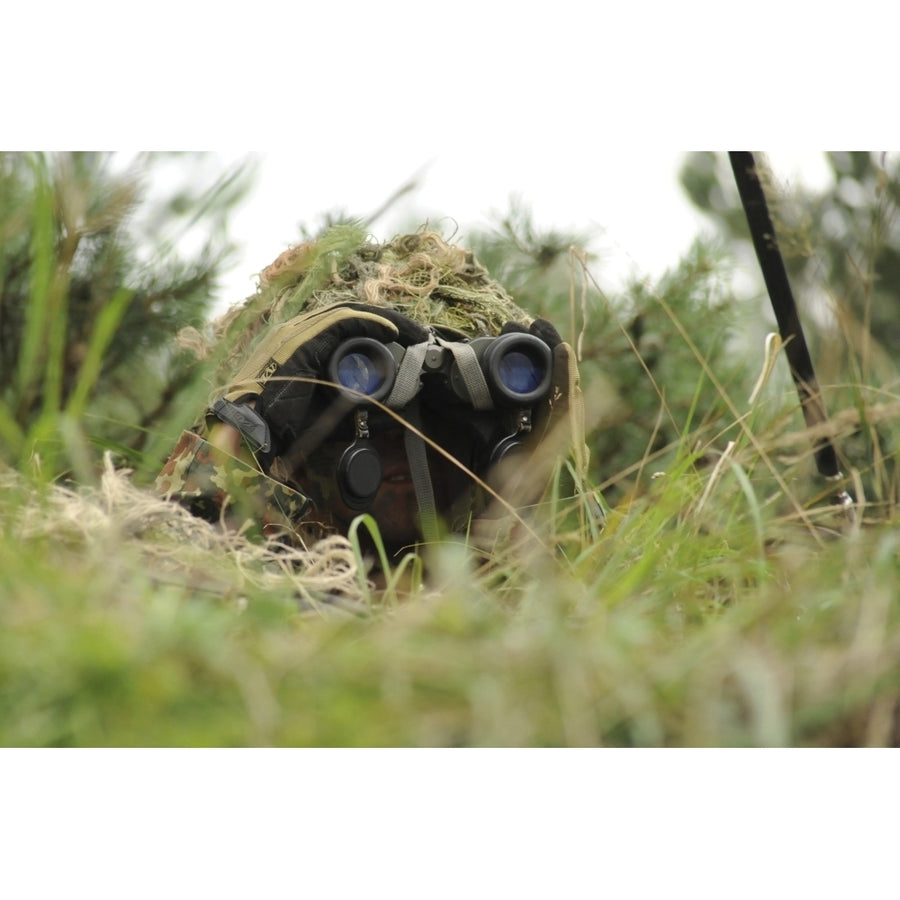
(711, 610)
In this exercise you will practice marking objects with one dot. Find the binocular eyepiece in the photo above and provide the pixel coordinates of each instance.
(517, 368)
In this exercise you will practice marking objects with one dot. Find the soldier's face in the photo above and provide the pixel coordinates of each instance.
(395, 507)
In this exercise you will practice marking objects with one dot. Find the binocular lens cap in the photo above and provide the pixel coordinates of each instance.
(359, 474)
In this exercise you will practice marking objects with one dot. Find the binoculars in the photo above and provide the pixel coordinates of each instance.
(517, 368)
(515, 373)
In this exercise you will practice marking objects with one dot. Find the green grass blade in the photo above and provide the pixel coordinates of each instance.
(104, 330)
(11, 434)
(37, 313)
(752, 503)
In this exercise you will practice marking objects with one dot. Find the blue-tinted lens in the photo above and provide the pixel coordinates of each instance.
(359, 372)
(519, 373)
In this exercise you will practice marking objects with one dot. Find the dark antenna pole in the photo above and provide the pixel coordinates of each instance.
(772, 264)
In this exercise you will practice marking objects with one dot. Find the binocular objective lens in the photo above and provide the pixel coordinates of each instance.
(519, 373)
(359, 372)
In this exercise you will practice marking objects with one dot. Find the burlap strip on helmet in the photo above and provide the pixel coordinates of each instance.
(284, 342)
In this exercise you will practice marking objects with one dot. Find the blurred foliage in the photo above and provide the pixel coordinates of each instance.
(841, 246)
(94, 284)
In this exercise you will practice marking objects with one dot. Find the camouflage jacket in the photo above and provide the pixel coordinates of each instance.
(219, 487)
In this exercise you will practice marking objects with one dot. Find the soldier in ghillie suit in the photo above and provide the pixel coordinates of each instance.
(394, 379)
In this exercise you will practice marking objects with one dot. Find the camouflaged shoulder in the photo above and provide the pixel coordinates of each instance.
(218, 487)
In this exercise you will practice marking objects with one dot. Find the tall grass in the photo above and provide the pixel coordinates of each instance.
(722, 601)
(54, 436)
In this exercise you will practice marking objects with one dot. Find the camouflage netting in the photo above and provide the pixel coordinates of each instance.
(180, 549)
(419, 275)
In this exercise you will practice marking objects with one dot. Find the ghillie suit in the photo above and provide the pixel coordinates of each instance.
(116, 518)
(352, 349)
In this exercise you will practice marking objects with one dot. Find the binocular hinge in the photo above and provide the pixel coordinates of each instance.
(361, 422)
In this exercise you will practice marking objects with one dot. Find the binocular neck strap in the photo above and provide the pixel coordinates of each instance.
(407, 382)
(421, 477)
(470, 370)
